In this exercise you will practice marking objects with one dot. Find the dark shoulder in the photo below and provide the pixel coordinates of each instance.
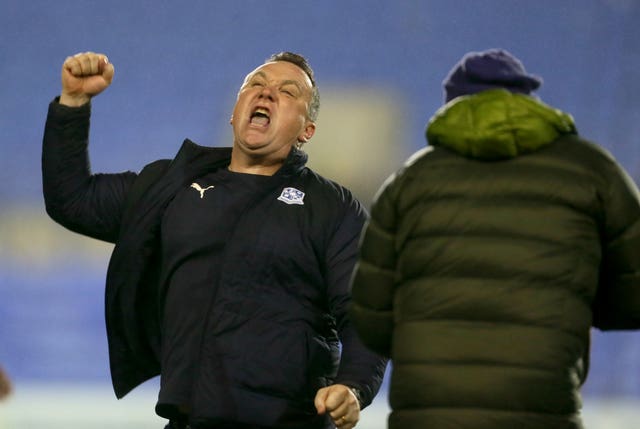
(149, 175)
(328, 192)
(584, 157)
(154, 170)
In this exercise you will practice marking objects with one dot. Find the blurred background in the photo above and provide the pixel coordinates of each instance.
(379, 66)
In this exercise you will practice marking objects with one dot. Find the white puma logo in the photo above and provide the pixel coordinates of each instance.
(197, 187)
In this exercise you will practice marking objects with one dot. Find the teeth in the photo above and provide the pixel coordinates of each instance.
(260, 117)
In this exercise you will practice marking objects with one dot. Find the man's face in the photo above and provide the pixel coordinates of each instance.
(270, 114)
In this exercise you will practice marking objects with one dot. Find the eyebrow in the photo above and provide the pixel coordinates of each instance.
(284, 82)
(292, 82)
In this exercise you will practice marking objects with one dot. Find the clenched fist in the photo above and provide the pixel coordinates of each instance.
(83, 76)
(340, 403)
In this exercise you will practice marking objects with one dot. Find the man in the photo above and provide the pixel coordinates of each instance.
(491, 253)
(230, 272)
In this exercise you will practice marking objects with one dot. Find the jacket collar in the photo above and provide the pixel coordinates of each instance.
(200, 158)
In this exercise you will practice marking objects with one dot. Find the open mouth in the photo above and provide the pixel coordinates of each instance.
(260, 117)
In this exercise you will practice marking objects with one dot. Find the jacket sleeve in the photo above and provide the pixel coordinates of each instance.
(373, 281)
(86, 203)
(617, 302)
(360, 367)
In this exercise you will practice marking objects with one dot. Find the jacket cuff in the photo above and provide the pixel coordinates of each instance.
(62, 112)
(358, 393)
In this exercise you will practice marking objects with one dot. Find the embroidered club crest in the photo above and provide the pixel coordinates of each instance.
(292, 196)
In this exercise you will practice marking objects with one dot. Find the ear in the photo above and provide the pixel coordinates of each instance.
(308, 132)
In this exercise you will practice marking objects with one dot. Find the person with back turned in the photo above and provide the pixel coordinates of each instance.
(490, 255)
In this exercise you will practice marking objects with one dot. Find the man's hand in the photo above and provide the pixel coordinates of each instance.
(84, 76)
(341, 404)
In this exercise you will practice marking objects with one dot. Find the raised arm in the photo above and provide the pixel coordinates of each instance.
(90, 204)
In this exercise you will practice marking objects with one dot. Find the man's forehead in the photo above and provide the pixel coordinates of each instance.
(283, 70)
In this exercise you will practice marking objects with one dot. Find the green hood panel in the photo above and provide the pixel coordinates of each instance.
(497, 124)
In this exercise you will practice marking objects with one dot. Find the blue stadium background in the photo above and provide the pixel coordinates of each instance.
(178, 66)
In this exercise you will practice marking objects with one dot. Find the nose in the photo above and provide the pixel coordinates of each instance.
(268, 92)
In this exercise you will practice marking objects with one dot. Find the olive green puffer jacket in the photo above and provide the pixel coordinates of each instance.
(487, 259)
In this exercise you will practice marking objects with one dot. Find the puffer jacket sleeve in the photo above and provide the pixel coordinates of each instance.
(617, 302)
(373, 279)
(86, 203)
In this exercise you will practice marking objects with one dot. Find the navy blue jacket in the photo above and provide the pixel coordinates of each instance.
(282, 290)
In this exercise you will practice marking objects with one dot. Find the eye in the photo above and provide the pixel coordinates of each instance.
(289, 90)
